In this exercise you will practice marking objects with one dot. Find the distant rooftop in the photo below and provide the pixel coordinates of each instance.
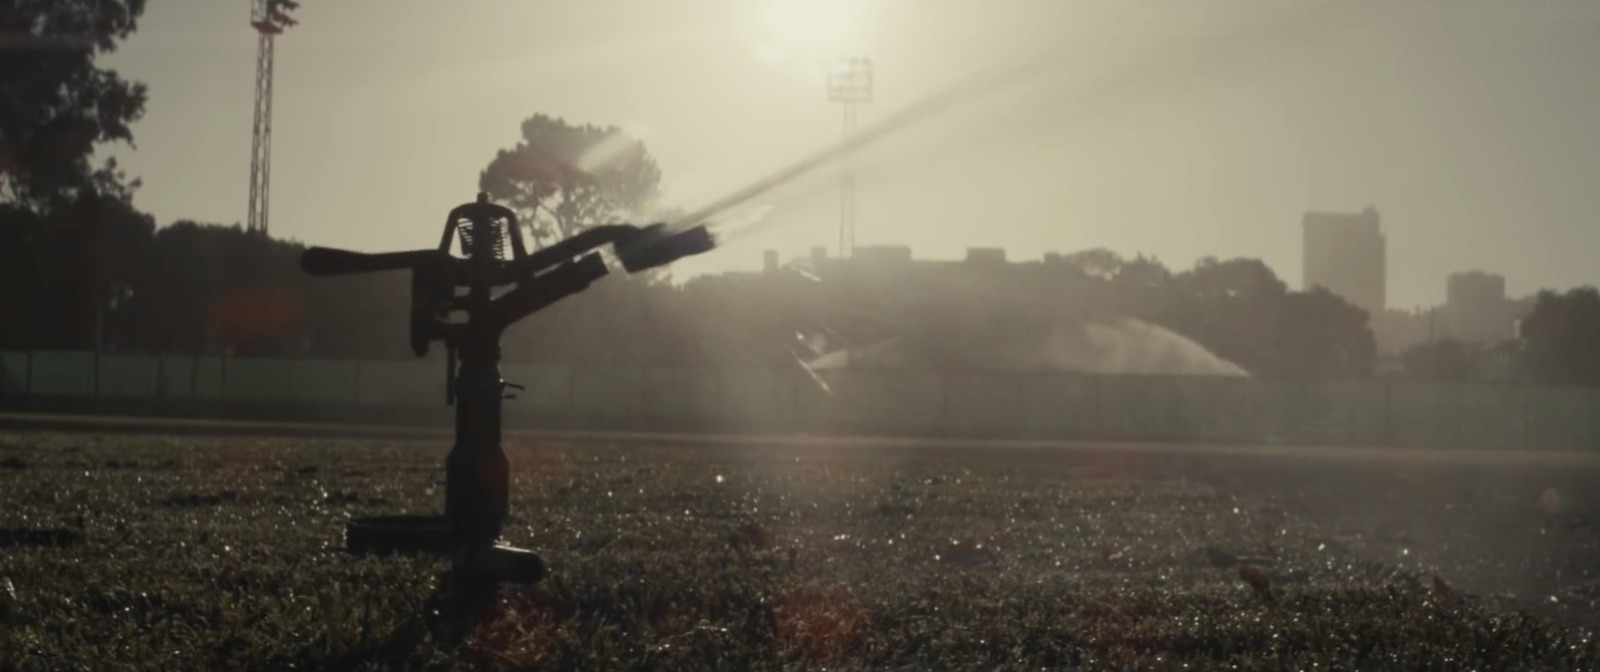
(1368, 212)
(1368, 219)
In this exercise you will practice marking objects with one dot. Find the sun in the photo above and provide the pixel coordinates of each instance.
(807, 31)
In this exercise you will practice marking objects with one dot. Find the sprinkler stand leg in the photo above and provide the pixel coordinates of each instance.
(477, 481)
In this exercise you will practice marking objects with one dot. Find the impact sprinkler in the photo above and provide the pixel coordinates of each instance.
(476, 470)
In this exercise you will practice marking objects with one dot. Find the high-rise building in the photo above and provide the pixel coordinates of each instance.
(1346, 254)
(1477, 308)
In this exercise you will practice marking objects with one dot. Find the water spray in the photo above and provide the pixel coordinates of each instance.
(495, 256)
(1182, 58)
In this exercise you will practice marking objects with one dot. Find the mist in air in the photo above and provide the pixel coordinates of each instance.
(1184, 134)
(1118, 346)
(1070, 360)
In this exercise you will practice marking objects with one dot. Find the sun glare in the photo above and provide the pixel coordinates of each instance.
(807, 32)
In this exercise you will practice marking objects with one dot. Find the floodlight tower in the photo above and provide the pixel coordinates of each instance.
(850, 84)
(268, 18)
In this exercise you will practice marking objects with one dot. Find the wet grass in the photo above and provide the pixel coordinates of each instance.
(193, 553)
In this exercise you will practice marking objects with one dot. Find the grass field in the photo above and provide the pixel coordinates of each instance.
(189, 552)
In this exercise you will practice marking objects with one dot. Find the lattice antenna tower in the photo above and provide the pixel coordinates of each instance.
(268, 18)
(849, 83)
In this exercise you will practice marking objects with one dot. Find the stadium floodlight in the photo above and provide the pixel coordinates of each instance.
(849, 84)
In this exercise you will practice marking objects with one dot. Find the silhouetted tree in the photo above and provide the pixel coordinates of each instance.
(58, 105)
(69, 237)
(1096, 263)
(1560, 338)
(71, 273)
(1248, 278)
(1316, 335)
(562, 178)
(1240, 310)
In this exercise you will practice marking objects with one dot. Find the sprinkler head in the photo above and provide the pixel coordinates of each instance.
(654, 247)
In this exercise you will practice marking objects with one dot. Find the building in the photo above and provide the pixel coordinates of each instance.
(1477, 309)
(1396, 331)
(881, 254)
(1346, 254)
(986, 255)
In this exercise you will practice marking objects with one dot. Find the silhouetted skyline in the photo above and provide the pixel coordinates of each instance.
(1467, 124)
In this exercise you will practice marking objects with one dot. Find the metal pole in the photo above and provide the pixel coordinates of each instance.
(847, 186)
(849, 83)
(476, 487)
(850, 180)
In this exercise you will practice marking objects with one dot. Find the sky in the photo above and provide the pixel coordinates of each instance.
(1167, 128)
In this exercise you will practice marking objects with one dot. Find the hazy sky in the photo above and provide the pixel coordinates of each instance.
(1179, 129)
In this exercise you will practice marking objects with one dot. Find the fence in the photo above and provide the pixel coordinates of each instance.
(1135, 408)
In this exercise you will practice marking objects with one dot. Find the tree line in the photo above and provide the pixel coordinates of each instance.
(82, 268)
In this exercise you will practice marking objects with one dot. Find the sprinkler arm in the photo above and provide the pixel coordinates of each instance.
(539, 293)
(655, 245)
(639, 249)
(541, 278)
